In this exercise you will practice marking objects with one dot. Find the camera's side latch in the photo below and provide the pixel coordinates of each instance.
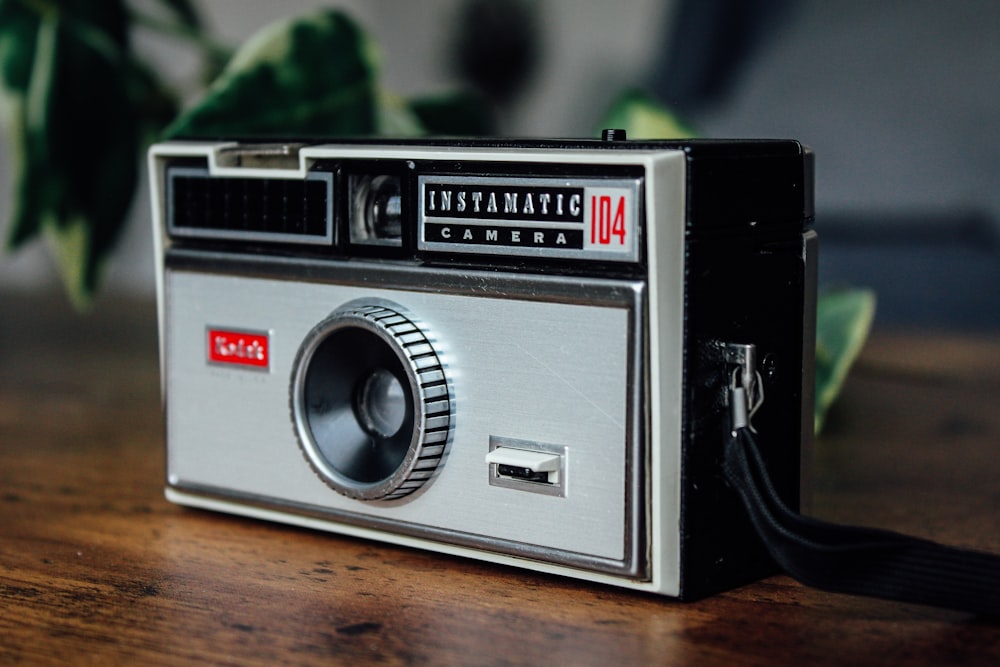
(746, 388)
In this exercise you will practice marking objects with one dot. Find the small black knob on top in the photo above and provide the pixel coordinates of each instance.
(611, 134)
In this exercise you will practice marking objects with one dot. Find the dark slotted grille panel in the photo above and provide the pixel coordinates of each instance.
(252, 207)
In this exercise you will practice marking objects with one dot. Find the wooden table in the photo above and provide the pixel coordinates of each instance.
(95, 567)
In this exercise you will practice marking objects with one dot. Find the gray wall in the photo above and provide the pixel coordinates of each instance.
(901, 103)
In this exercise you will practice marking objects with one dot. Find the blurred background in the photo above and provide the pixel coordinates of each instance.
(899, 100)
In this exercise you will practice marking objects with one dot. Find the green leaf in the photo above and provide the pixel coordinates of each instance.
(311, 76)
(185, 11)
(395, 118)
(69, 84)
(454, 114)
(843, 320)
(643, 118)
(19, 49)
(18, 28)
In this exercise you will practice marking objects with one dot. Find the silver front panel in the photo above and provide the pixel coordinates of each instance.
(522, 364)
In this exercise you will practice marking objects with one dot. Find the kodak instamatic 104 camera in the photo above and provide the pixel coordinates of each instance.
(517, 351)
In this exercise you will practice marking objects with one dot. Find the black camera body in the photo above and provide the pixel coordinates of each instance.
(517, 351)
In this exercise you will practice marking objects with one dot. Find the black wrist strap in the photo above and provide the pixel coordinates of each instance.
(859, 561)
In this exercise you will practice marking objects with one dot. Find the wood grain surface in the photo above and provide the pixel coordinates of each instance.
(97, 568)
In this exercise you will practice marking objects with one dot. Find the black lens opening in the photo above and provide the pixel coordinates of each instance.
(350, 432)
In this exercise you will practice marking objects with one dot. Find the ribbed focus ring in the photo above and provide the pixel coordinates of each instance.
(432, 392)
(370, 401)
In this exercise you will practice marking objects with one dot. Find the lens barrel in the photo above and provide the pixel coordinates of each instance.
(370, 402)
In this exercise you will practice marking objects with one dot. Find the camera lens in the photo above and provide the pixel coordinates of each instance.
(376, 210)
(356, 430)
(370, 402)
(380, 404)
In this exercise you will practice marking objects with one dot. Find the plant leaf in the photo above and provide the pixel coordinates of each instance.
(643, 118)
(185, 11)
(395, 118)
(18, 50)
(310, 76)
(69, 88)
(843, 320)
(454, 114)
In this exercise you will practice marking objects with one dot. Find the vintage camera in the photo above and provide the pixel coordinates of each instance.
(517, 351)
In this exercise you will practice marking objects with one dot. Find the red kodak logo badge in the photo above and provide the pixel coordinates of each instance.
(239, 348)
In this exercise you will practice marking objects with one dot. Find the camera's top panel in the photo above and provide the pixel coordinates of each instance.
(549, 202)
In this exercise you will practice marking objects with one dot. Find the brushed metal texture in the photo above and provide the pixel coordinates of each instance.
(529, 369)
